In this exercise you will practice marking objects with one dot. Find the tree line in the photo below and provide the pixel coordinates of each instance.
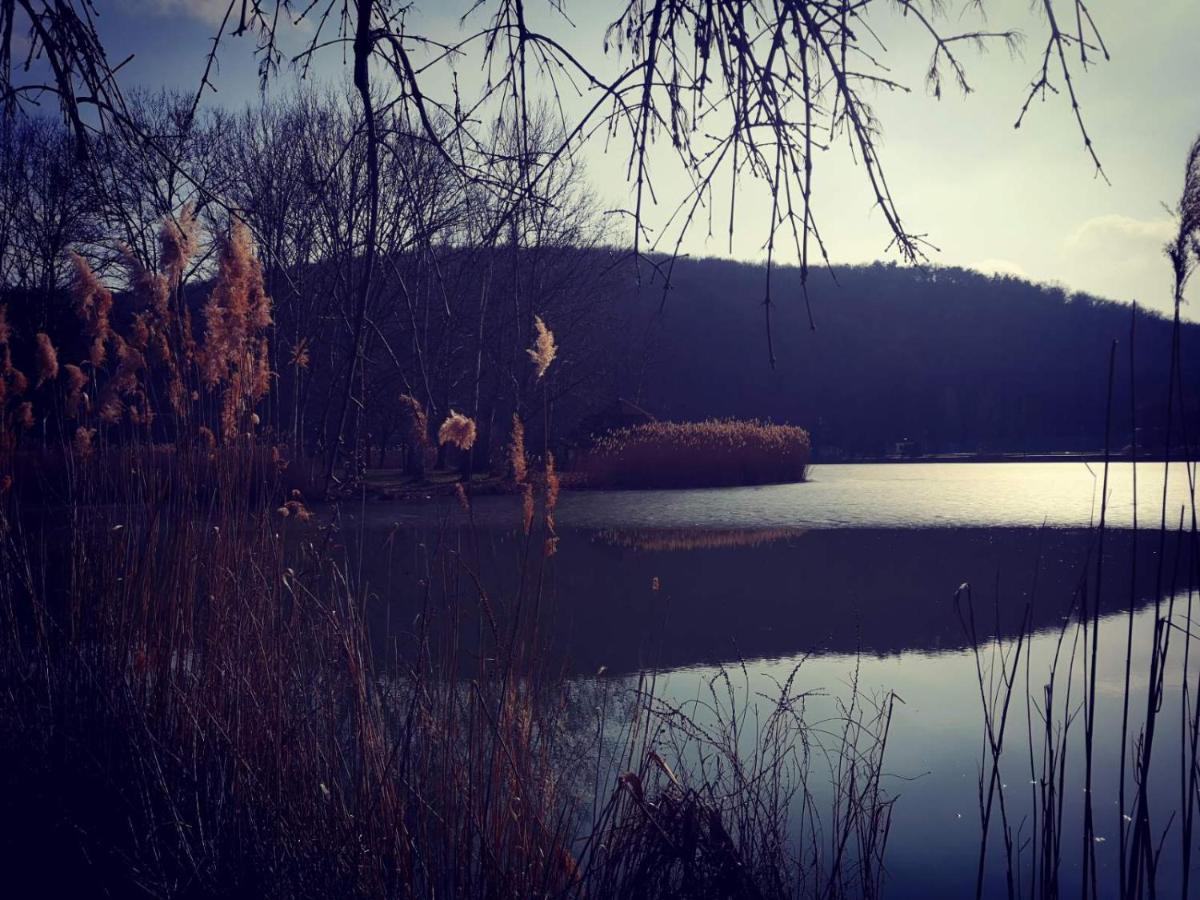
(916, 360)
(451, 308)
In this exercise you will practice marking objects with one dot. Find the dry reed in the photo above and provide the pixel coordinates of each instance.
(47, 359)
(517, 461)
(544, 349)
(717, 452)
(458, 430)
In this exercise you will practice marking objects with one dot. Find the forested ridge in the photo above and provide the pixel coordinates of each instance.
(945, 358)
(916, 360)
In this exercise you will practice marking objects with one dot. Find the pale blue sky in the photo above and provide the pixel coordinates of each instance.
(1022, 201)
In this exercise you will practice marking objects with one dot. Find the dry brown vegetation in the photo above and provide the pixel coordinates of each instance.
(714, 453)
(194, 705)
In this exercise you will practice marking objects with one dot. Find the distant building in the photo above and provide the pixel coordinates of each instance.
(905, 447)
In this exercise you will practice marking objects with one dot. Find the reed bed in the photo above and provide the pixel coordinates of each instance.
(713, 453)
(194, 704)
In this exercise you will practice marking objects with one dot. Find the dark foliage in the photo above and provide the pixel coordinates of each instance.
(944, 359)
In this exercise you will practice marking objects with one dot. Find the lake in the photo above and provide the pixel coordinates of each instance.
(855, 576)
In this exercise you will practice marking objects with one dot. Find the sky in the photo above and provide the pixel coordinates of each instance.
(1016, 201)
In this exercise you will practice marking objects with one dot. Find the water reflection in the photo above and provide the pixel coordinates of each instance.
(822, 576)
(735, 594)
(900, 495)
(934, 754)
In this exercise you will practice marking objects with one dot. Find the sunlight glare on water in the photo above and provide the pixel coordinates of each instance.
(892, 495)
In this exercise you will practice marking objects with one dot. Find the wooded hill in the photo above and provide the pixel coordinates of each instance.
(946, 359)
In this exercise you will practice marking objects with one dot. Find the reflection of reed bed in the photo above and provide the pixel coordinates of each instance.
(672, 539)
(714, 453)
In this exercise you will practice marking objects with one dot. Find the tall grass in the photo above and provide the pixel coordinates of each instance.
(1055, 742)
(197, 689)
(192, 702)
(713, 453)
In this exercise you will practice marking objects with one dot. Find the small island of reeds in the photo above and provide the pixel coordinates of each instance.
(712, 453)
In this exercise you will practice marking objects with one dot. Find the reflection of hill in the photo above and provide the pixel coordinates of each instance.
(824, 591)
(666, 539)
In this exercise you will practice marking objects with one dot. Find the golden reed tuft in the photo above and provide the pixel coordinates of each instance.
(236, 355)
(552, 488)
(516, 451)
(93, 304)
(84, 438)
(76, 382)
(47, 359)
(544, 349)
(177, 241)
(697, 454)
(18, 384)
(112, 408)
(414, 422)
(458, 430)
(527, 506)
(300, 357)
(552, 484)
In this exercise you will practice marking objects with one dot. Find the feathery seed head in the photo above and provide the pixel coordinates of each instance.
(516, 451)
(415, 422)
(177, 241)
(83, 441)
(458, 430)
(544, 349)
(47, 359)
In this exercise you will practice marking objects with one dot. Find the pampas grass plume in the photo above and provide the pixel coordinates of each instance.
(47, 359)
(83, 441)
(527, 507)
(552, 485)
(516, 451)
(458, 430)
(544, 349)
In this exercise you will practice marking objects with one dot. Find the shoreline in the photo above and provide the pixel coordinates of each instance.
(1095, 456)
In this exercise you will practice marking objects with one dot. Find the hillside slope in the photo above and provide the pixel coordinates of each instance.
(946, 359)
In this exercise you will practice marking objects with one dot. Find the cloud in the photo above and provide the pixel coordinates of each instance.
(997, 266)
(1114, 231)
(1120, 257)
(210, 12)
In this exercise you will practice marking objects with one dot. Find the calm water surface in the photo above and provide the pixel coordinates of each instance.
(854, 574)
(901, 495)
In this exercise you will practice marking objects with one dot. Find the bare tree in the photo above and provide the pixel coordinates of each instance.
(48, 206)
(735, 90)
